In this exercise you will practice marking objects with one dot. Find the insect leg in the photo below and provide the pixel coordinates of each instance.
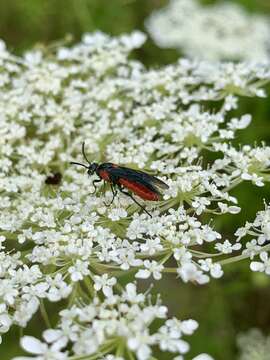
(128, 194)
(114, 192)
(94, 184)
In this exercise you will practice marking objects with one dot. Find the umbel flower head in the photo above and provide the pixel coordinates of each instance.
(253, 345)
(222, 31)
(120, 320)
(66, 244)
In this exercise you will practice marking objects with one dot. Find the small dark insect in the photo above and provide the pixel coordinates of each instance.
(120, 178)
(54, 179)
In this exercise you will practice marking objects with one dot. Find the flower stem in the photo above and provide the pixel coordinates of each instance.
(241, 257)
(44, 314)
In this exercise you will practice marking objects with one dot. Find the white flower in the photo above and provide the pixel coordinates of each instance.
(112, 357)
(129, 316)
(189, 326)
(42, 350)
(2, 45)
(58, 288)
(140, 344)
(135, 40)
(105, 283)
(200, 204)
(2, 239)
(79, 270)
(241, 232)
(182, 255)
(257, 180)
(189, 272)
(241, 123)
(150, 267)
(168, 342)
(252, 248)
(8, 292)
(5, 323)
(161, 119)
(203, 357)
(151, 246)
(130, 294)
(263, 266)
(184, 25)
(214, 268)
(227, 247)
(57, 337)
(117, 214)
(228, 209)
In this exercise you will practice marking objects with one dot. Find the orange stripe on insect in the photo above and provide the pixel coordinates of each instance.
(140, 190)
(104, 175)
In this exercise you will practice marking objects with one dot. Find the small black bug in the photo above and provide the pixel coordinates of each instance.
(54, 179)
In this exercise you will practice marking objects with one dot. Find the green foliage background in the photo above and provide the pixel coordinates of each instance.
(224, 307)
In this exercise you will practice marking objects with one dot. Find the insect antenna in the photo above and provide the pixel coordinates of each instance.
(84, 155)
(76, 163)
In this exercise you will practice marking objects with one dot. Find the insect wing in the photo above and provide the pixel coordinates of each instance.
(139, 177)
(151, 179)
(144, 177)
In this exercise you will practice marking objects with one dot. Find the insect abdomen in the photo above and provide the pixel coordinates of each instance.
(140, 190)
(104, 174)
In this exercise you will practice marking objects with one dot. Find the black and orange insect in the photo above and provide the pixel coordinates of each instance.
(144, 185)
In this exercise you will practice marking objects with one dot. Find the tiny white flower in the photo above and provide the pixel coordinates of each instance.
(117, 214)
(36, 347)
(130, 294)
(257, 180)
(214, 268)
(5, 323)
(263, 266)
(203, 357)
(227, 247)
(78, 270)
(189, 326)
(189, 272)
(252, 248)
(228, 209)
(150, 267)
(105, 283)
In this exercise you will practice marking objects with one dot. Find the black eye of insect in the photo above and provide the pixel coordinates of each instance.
(92, 168)
(126, 180)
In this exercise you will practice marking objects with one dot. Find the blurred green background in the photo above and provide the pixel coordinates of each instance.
(223, 308)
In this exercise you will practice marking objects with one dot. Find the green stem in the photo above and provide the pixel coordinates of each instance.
(98, 355)
(166, 257)
(241, 257)
(120, 348)
(169, 270)
(130, 355)
(73, 295)
(106, 266)
(44, 314)
(233, 185)
(89, 285)
(200, 254)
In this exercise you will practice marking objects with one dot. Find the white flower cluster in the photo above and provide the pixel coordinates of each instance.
(223, 31)
(253, 344)
(123, 322)
(259, 231)
(64, 240)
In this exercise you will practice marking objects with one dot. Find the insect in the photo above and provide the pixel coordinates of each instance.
(54, 179)
(125, 180)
